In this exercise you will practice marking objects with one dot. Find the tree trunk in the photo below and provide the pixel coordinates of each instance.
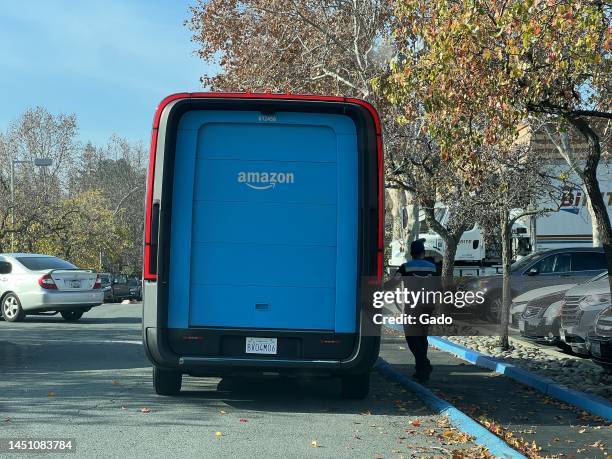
(451, 240)
(395, 205)
(395, 200)
(594, 224)
(565, 149)
(448, 260)
(506, 239)
(600, 212)
(412, 224)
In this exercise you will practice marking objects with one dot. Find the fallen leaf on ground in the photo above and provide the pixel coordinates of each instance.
(50, 394)
(243, 420)
(115, 382)
(415, 422)
(145, 410)
(218, 434)
(222, 412)
(314, 444)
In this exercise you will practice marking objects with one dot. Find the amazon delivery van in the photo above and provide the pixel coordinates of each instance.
(263, 223)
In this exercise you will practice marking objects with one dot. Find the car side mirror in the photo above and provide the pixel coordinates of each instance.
(5, 267)
(533, 272)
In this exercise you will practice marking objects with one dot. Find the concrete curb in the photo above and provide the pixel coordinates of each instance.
(459, 419)
(591, 403)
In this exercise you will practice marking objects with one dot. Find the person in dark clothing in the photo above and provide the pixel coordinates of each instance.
(416, 335)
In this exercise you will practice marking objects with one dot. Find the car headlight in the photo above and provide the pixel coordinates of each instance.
(591, 302)
(533, 311)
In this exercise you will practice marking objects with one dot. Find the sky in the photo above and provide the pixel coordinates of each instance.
(109, 62)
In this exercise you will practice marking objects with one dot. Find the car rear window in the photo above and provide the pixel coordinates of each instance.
(40, 263)
(105, 280)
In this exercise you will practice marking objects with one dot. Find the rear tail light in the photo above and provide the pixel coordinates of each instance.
(98, 283)
(47, 282)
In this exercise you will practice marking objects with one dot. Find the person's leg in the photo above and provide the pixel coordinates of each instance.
(418, 346)
(425, 347)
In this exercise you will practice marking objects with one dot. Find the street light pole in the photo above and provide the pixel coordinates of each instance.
(39, 162)
(13, 162)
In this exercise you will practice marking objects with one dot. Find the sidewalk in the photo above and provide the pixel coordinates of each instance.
(558, 429)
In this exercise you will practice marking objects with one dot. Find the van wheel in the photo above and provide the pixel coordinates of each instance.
(356, 386)
(11, 308)
(166, 382)
(71, 316)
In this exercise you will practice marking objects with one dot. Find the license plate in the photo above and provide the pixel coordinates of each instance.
(596, 349)
(75, 284)
(521, 325)
(261, 345)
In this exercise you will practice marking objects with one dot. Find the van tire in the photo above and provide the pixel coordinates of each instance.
(356, 386)
(72, 316)
(167, 382)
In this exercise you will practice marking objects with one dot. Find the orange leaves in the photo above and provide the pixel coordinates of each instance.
(531, 450)
(480, 72)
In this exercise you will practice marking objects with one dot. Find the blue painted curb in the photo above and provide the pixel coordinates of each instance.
(462, 421)
(591, 403)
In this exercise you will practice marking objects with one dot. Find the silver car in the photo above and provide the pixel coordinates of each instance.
(580, 308)
(539, 294)
(32, 284)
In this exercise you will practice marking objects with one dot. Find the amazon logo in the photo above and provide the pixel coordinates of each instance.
(265, 180)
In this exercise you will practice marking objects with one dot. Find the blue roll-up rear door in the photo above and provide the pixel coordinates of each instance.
(264, 222)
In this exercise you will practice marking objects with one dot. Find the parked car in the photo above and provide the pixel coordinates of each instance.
(539, 269)
(599, 340)
(135, 289)
(115, 287)
(541, 319)
(536, 297)
(32, 283)
(580, 308)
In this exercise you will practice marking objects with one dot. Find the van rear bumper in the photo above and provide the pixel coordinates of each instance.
(161, 348)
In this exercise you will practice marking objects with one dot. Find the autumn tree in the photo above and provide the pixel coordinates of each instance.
(86, 206)
(479, 69)
(118, 171)
(420, 170)
(315, 46)
(36, 134)
(498, 203)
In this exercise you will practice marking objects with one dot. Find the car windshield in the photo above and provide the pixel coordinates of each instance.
(523, 262)
(40, 263)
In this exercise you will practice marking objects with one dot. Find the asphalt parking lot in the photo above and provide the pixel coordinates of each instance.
(90, 381)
